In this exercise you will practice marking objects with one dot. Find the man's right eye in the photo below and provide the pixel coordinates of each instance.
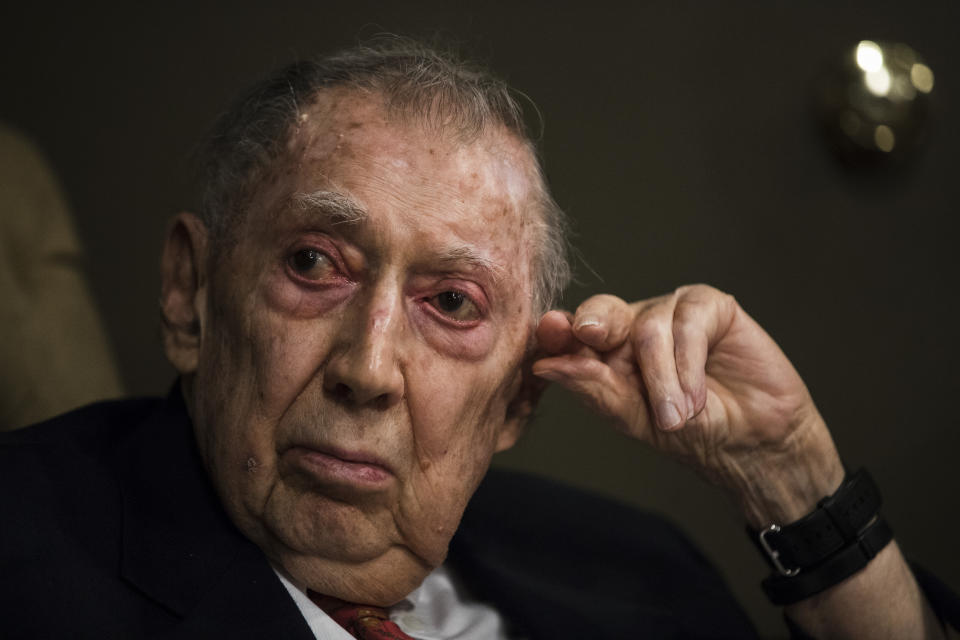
(311, 264)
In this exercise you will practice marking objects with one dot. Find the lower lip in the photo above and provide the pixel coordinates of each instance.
(328, 468)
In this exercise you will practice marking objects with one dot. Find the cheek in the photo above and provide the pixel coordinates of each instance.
(470, 344)
(454, 428)
(451, 415)
(296, 301)
(287, 353)
(261, 361)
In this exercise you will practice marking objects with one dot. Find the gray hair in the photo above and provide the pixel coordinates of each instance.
(436, 88)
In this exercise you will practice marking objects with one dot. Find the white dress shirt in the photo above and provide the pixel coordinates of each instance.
(439, 609)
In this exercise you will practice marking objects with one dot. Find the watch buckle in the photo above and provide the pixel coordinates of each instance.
(773, 554)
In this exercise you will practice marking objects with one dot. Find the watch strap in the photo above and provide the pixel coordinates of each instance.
(833, 525)
(783, 590)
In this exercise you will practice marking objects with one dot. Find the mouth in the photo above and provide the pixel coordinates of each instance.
(334, 467)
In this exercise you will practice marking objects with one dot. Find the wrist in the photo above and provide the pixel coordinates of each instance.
(783, 484)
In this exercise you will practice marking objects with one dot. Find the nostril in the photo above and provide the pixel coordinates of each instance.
(385, 400)
(341, 391)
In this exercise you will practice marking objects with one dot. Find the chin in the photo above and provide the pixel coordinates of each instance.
(338, 550)
(313, 526)
(383, 581)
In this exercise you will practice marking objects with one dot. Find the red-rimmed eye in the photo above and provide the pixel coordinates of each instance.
(311, 264)
(455, 305)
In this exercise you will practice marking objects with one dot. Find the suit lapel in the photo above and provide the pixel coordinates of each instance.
(179, 547)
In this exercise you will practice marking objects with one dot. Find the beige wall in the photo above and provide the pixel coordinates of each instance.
(54, 352)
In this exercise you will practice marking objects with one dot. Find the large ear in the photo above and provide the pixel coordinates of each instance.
(529, 390)
(183, 291)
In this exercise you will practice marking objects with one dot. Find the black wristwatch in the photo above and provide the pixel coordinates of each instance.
(836, 540)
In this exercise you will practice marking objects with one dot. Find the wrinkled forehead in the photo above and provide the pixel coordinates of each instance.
(342, 124)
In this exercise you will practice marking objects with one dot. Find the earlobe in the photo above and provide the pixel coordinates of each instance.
(183, 291)
(509, 435)
(529, 390)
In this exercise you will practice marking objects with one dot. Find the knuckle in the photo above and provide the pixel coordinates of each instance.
(724, 303)
(688, 316)
(649, 334)
(699, 290)
(600, 300)
(697, 299)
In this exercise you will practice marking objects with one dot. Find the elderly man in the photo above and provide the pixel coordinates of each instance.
(360, 318)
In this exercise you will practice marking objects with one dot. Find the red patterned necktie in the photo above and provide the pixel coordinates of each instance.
(362, 621)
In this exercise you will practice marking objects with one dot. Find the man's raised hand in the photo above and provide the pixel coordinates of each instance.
(694, 376)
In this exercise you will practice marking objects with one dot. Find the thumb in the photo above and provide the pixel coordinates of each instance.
(555, 334)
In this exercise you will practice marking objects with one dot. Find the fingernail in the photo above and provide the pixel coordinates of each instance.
(691, 406)
(587, 321)
(669, 415)
(592, 328)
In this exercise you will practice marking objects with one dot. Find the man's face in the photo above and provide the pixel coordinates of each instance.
(362, 343)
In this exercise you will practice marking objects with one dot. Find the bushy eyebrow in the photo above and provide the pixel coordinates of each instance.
(467, 255)
(335, 207)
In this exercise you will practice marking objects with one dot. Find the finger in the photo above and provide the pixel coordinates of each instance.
(603, 322)
(702, 317)
(599, 387)
(555, 333)
(690, 349)
(719, 309)
(652, 338)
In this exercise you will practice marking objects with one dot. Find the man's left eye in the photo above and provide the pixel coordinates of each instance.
(455, 305)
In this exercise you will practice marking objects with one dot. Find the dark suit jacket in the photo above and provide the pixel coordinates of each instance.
(112, 530)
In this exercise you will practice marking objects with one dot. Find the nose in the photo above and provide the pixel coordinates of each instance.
(363, 369)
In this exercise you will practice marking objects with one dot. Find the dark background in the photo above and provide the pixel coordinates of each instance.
(680, 139)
